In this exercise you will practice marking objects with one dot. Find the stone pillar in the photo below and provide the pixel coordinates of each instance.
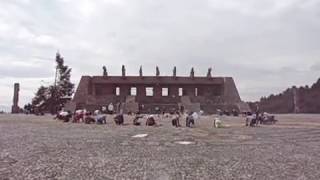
(209, 75)
(192, 73)
(123, 71)
(295, 100)
(173, 91)
(157, 91)
(15, 107)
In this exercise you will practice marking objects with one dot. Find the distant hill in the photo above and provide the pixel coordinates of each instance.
(293, 100)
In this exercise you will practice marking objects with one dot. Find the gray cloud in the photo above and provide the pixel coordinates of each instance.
(315, 67)
(265, 45)
(23, 71)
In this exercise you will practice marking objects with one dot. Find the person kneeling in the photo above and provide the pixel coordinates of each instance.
(101, 119)
(190, 120)
(176, 120)
(78, 116)
(64, 115)
(150, 121)
(89, 119)
(217, 123)
(136, 119)
(119, 120)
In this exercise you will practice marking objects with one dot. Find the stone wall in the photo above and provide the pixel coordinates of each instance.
(202, 93)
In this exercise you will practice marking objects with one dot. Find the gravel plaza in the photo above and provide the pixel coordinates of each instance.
(39, 147)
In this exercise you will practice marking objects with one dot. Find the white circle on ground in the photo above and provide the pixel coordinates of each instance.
(140, 136)
(185, 142)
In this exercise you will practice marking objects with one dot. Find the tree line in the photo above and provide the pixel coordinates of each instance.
(302, 99)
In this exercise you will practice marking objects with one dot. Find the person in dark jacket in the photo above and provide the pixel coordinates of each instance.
(190, 120)
(151, 121)
(118, 119)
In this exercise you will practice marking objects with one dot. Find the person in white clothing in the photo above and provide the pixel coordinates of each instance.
(110, 108)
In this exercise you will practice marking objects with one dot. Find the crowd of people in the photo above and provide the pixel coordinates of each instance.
(99, 117)
(259, 118)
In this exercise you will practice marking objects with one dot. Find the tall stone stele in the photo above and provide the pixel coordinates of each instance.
(15, 108)
(192, 73)
(157, 71)
(123, 71)
(140, 72)
(209, 74)
(174, 73)
(105, 72)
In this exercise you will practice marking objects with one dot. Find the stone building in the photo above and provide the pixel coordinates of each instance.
(151, 94)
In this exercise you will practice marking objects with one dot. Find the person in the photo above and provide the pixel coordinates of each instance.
(235, 112)
(150, 121)
(217, 123)
(189, 120)
(88, 119)
(104, 109)
(175, 120)
(64, 115)
(141, 108)
(96, 112)
(226, 112)
(100, 118)
(254, 120)
(110, 108)
(248, 119)
(195, 116)
(267, 118)
(158, 110)
(84, 115)
(251, 120)
(182, 109)
(78, 116)
(136, 118)
(118, 119)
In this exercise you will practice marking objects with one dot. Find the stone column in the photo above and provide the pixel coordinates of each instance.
(15, 107)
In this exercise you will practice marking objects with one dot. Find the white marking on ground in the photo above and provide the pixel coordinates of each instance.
(185, 142)
(140, 136)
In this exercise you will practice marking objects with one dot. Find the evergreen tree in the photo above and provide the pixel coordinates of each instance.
(53, 97)
(63, 83)
(305, 98)
(41, 98)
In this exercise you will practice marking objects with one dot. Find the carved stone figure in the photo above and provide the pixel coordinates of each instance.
(105, 72)
(140, 71)
(209, 72)
(192, 73)
(123, 71)
(174, 71)
(157, 71)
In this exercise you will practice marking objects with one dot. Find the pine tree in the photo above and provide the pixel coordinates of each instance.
(63, 84)
(50, 99)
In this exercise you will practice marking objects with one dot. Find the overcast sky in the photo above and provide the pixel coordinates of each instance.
(266, 45)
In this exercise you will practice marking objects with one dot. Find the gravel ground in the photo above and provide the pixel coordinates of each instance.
(42, 148)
